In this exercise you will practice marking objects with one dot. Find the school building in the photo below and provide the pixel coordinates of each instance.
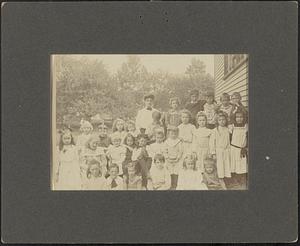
(231, 75)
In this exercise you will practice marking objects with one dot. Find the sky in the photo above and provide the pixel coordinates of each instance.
(174, 63)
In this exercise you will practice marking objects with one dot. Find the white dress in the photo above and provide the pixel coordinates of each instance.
(201, 145)
(220, 145)
(144, 118)
(117, 155)
(93, 183)
(161, 178)
(68, 169)
(239, 139)
(174, 151)
(156, 148)
(186, 134)
(190, 180)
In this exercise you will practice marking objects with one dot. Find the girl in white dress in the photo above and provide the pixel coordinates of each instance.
(220, 146)
(95, 180)
(186, 131)
(190, 178)
(160, 178)
(202, 136)
(67, 173)
(239, 164)
(86, 129)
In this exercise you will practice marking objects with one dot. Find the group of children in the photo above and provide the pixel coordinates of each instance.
(200, 147)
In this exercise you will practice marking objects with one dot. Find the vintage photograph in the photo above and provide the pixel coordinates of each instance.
(149, 122)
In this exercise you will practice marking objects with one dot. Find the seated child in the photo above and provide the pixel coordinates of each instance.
(189, 178)
(210, 176)
(95, 180)
(210, 110)
(159, 147)
(116, 153)
(113, 181)
(186, 131)
(104, 139)
(160, 178)
(132, 180)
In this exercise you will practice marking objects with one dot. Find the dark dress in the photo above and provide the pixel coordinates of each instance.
(194, 108)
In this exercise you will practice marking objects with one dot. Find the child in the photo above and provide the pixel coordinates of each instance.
(210, 109)
(189, 177)
(119, 128)
(226, 106)
(131, 128)
(210, 176)
(132, 181)
(67, 171)
(238, 106)
(159, 147)
(195, 105)
(173, 155)
(220, 146)
(93, 151)
(159, 178)
(129, 143)
(114, 181)
(186, 131)
(104, 139)
(173, 116)
(202, 136)
(140, 155)
(156, 123)
(95, 180)
(86, 128)
(116, 152)
(239, 135)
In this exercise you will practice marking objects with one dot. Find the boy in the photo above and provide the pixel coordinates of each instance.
(195, 105)
(114, 182)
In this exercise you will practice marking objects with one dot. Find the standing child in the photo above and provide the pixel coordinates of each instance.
(113, 181)
(173, 116)
(220, 146)
(129, 143)
(226, 106)
(210, 109)
(131, 128)
(173, 155)
(86, 129)
(201, 144)
(210, 176)
(194, 105)
(189, 177)
(67, 171)
(237, 104)
(119, 129)
(132, 181)
(239, 136)
(95, 179)
(160, 178)
(116, 152)
(159, 147)
(186, 131)
(140, 155)
(104, 139)
(156, 123)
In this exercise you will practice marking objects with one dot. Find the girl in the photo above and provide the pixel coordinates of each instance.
(220, 146)
(159, 147)
(119, 128)
(173, 154)
(116, 152)
(104, 139)
(190, 178)
(201, 145)
(132, 181)
(173, 116)
(226, 106)
(239, 135)
(95, 180)
(114, 181)
(140, 155)
(210, 176)
(129, 143)
(67, 171)
(86, 129)
(131, 128)
(238, 106)
(90, 152)
(156, 123)
(159, 178)
(186, 131)
(210, 109)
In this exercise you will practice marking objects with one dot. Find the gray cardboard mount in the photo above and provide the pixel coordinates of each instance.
(32, 31)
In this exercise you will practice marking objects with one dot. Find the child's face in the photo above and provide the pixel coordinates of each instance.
(190, 164)
(239, 118)
(174, 104)
(95, 170)
(86, 130)
(225, 101)
(131, 127)
(209, 99)
(209, 169)
(159, 164)
(103, 131)
(201, 121)
(113, 172)
(129, 141)
(120, 126)
(159, 138)
(235, 99)
(93, 144)
(148, 102)
(194, 98)
(185, 118)
(173, 134)
(116, 142)
(222, 121)
(66, 139)
(142, 142)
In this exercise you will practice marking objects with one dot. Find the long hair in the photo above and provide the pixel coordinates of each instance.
(201, 114)
(222, 114)
(193, 157)
(129, 135)
(245, 118)
(61, 144)
(185, 111)
(90, 164)
(114, 127)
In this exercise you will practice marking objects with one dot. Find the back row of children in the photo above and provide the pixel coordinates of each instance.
(203, 146)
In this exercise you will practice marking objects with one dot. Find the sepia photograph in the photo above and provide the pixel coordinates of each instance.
(149, 122)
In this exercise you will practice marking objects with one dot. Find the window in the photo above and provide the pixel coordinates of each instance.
(232, 62)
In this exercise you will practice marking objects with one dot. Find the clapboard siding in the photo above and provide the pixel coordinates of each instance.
(237, 81)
